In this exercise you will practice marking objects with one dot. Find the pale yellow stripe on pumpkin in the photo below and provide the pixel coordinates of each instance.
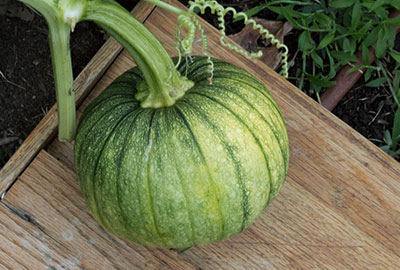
(258, 126)
(221, 169)
(254, 170)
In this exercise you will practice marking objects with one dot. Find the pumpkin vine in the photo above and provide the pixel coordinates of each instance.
(189, 21)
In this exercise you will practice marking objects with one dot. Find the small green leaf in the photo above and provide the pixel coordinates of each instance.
(396, 83)
(324, 20)
(372, 37)
(349, 45)
(251, 12)
(355, 68)
(341, 3)
(396, 129)
(344, 56)
(381, 12)
(317, 59)
(320, 82)
(356, 15)
(387, 137)
(376, 4)
(395, 4)
(367, 74)
(393, 21)
(365, 55)
(332, 69)
(305, 42)
(381, 46)
(395, 55)
(326, 40)
(376, 82)
(363, 30)
(391, 30)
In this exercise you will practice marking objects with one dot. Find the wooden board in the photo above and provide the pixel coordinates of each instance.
(46, 130)
(339, 208)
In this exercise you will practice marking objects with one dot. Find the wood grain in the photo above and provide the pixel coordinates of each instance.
(45, 223)
(339, 208)
(46, 130)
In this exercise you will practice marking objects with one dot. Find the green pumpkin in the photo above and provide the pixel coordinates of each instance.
(197, 172)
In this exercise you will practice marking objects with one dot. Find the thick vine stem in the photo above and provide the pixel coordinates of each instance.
(60, 18)
(163, 84)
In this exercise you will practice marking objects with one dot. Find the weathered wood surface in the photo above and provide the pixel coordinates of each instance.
(46, 130)
(339, 208)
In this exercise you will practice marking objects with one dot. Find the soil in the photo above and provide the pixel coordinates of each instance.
(26, 79)
(27, 86)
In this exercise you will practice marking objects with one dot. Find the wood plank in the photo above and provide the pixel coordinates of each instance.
(340, 205)
(45, 220)
(46, 130)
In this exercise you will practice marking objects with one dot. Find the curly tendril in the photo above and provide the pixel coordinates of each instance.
(190, 22)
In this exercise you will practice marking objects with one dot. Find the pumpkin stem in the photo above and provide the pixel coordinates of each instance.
(163, 84)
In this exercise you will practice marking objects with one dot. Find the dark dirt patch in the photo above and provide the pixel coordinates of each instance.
(368, 110)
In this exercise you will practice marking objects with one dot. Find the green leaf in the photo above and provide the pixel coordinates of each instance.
(395, 55)
(363, 30)
(395, 4)
(381, 45)
(376, 82)
(387, 137)
(355, 68)
(393, 21)
(365, 55)
(372, 37)
(376, 4)
(381, 12)
(251, 12)
(367, 74)
(349, 45)
(326, 40)
(396, 129)
(344, 56)
(324, 20)
(290, 14)
(320, 82)
(391, 32)
(332, 69)
(396, 83)
(305, 42)
(356, 15)
(341, 3)
(317, 59)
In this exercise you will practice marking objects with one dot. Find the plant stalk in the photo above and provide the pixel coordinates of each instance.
(163, 84)
(59, 35)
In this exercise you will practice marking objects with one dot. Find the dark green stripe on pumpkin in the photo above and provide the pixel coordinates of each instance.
(90, 122)
(99, 145)
(132, 178)
(170, 203)
(125, 213)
